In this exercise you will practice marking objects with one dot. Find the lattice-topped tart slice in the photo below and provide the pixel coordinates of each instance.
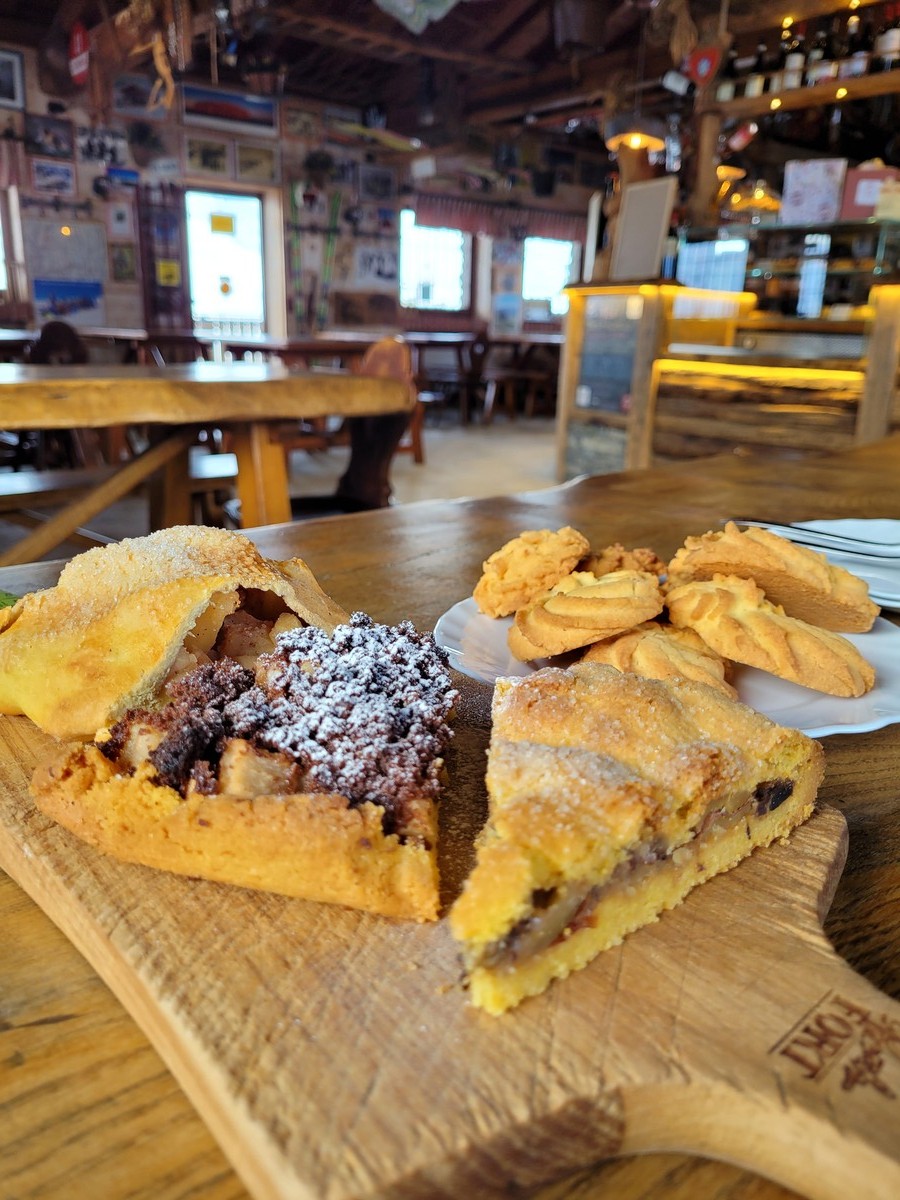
(610, 797)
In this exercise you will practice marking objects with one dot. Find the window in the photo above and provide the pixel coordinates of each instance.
(435, 266)
(548, 266)
(225, 262)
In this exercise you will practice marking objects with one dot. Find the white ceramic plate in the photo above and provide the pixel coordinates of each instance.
(477, 647)
(871, 538)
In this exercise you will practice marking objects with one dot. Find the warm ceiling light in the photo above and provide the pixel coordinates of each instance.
(854, 5)
(634, 132)
(840, 93)
(776, 103)
(787, 22)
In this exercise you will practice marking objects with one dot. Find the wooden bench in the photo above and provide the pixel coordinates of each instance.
(24, 493)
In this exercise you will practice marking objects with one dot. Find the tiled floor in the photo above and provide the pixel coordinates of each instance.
(474, 460)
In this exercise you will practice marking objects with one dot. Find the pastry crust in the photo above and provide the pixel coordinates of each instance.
(526, 567)
(316, 775)
(734, 617)
(610, 797)
(659, 651)
(802, 581)
(315, 846)
(76, 656)
(584, 608)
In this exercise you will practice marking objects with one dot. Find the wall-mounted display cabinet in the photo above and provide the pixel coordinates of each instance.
(794, 270)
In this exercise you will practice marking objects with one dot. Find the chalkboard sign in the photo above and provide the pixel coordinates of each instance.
(641, 230)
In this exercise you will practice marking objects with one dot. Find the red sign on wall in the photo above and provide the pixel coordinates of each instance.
(79, 53)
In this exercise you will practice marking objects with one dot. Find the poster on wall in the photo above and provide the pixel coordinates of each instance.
(123, 262)
(52, 178)
(208, 156)
(131, 95)
(257, 164)
(101, 145)
(376, 266)
(120, 220)
(78, 301)
(376, 184)
(235, 111)
(300, 123)
(50, 137)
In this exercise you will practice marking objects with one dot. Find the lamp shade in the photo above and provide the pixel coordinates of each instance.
(635, 132)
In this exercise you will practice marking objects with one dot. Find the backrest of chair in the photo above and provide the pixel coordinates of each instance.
(389, 358)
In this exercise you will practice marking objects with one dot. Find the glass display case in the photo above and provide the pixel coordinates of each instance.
(794, 270)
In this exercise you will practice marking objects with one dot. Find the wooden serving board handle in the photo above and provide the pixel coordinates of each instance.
(809, 1091)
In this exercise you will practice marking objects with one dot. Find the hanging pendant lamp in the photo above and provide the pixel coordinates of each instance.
(633, 130)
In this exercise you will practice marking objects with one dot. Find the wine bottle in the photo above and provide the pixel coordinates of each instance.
(728, 78)
(849, 60)
(756, 80)
(794, 63)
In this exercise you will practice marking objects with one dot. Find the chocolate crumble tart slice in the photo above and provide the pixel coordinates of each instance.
(317, 774)
(610, 797)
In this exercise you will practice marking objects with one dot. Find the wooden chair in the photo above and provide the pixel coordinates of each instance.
(464, 380)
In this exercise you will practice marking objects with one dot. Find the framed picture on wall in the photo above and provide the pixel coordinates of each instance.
(12, 79)
(49, 137)
(376, 184)
(299, 122)
(256, 164)
(52, 178)
(131, 96)
(208, 156)
(122, 262)
(234, 111)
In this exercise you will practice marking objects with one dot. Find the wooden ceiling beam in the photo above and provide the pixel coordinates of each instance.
(315, 24)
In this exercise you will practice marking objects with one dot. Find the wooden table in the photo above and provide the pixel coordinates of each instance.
(175, 401)
(86, 1106)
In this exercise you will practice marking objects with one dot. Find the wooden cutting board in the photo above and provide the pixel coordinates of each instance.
(333, 1054)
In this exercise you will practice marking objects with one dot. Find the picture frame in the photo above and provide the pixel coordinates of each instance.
(12, 79)
(236, 112)
(641, 229)
(209, 156)
(50, 177)
(299, 122)
(49, 137)
(376, 184)
(123, 262)
(131, 96)
(257, 163)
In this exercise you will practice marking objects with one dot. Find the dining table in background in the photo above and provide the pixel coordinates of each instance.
(248, 399)
(88, 1108)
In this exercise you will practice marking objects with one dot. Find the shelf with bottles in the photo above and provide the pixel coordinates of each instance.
(838, 62)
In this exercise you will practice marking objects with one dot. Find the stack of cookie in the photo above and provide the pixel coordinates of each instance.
(728, 596)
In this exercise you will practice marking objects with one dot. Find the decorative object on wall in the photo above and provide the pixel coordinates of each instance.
(208, 156)
(131, 98)
(120, 220)
(298, 122)
(376, 184)
(415, 14)
(142, 26)
(163, 256)
(376, 267)
(147, 143)
(256, 164)
(318, 165)
(52, 178)
(122, 262)
(101, 145)
(12, 79)
(234, 111)
(50, 137)
(78, 301)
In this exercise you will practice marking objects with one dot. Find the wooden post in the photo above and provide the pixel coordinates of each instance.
(883, 355)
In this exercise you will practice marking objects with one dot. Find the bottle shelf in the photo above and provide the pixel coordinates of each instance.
(834, 91)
